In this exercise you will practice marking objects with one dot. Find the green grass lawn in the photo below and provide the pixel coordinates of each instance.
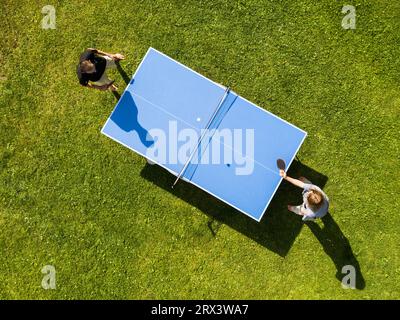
(109, 223)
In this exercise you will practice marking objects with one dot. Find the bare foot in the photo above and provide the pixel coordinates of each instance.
(113, 87)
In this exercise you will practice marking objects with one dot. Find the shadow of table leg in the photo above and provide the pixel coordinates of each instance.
(277, 231)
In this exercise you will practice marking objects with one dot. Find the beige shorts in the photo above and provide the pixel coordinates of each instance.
(104, 80)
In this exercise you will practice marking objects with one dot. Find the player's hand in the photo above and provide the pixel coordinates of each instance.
(118, 57)
(282, 173)
(113, 87)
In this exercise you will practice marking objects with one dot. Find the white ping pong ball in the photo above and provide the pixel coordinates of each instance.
(198, 119)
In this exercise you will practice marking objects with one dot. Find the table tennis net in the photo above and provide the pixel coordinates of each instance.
(223, 108)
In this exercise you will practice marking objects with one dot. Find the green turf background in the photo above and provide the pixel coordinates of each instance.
(72, 198)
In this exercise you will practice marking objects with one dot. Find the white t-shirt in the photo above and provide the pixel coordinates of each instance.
(309, 212)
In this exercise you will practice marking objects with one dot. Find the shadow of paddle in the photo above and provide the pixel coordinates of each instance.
(277, 230)
(337, 247)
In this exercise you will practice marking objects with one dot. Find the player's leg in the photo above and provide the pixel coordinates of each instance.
(110, 63)
(104, 80)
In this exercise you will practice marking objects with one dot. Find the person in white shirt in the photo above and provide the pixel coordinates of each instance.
(315, 201)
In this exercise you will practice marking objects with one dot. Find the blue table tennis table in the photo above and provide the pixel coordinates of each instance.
(201, 132)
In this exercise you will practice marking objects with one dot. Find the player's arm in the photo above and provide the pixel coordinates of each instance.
(293, 181)
(102, 53)
(302, 212)
(116, 56)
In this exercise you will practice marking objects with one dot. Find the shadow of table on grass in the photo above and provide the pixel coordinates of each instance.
(277, 230)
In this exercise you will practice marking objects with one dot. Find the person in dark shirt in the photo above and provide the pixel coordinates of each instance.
(92, 68)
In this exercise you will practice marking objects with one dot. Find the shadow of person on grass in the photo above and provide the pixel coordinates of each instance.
(124, 76)
(122, 72)
(279, 228)
(337, 247)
